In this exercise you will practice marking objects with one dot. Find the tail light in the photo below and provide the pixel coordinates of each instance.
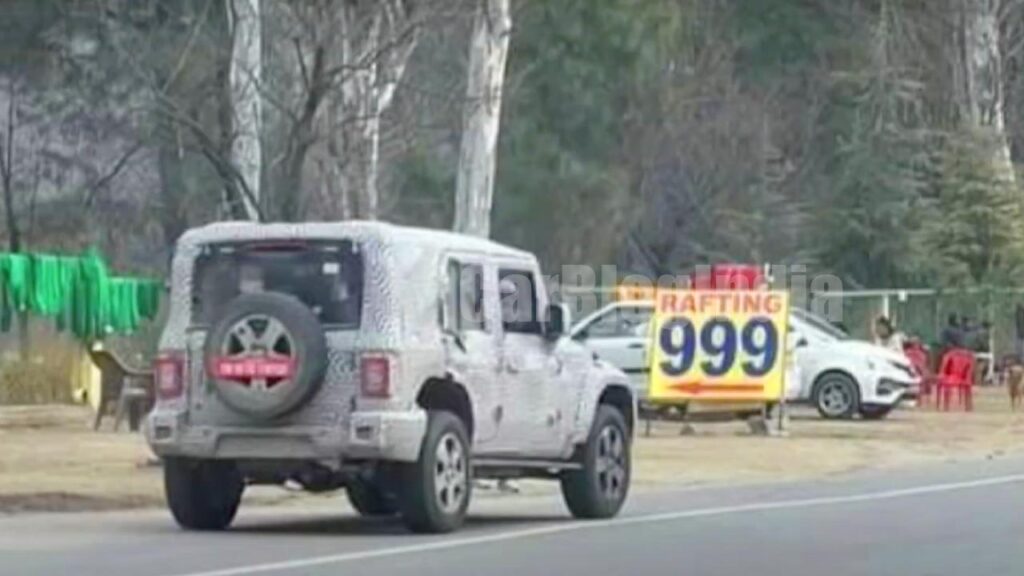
(169, 375)
(375, 375)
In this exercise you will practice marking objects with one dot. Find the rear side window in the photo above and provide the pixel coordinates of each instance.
(326, 276)
(465, 297)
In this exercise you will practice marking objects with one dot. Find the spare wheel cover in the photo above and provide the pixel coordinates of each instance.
(266, 355)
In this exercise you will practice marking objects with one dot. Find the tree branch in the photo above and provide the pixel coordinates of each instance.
(93, 189)
(210, 149)
(189, 45)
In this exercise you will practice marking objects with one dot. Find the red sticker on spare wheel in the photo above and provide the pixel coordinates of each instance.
(251, 368)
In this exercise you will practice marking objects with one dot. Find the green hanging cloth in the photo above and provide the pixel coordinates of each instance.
(77, 292)
(48, 294)
(17, 278)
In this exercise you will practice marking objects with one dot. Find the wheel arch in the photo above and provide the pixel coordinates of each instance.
(450, 395)
(619, 396)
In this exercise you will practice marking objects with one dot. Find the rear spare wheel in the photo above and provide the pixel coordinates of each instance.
(266, 355)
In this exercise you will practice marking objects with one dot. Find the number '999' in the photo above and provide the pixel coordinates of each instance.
(719, 342)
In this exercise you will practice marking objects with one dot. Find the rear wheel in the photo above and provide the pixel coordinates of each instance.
(836, 396)
(202, 494)
(436, 489)
(369, 500)
(600, 488)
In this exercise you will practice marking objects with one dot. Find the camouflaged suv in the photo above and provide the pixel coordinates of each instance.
(396, 363)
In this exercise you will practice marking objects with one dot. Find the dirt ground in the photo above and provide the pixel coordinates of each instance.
(726, 452)
(50, 459)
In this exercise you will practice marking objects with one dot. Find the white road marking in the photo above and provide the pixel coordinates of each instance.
(525, 533)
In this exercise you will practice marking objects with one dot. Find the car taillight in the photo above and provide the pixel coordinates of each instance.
(169, 375)
(375, 376)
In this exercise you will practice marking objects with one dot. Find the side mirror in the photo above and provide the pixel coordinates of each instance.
(557, 322)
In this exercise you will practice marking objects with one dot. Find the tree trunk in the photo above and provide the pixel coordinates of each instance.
(488, 51)
(14, 240)
(982, 103)
(376, 47)
(246, 104)
(359, 135)
(173, 190)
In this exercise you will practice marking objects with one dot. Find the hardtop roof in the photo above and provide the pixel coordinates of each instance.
(440, 240)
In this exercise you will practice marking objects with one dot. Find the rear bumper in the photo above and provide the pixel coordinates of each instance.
(368, 435)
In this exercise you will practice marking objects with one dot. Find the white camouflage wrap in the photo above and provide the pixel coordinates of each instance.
(542, 412)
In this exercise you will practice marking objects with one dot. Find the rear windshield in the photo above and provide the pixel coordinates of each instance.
(326, 276)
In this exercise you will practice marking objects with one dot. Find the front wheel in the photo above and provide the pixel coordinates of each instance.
(202, 494)
(836, 397)
(875, 411)
(599, 489)
(436, 489)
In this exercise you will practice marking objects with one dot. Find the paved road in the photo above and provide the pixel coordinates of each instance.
(954, 519)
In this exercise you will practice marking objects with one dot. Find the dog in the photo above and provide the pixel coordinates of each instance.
(1013, 377)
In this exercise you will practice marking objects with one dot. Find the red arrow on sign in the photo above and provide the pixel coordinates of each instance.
(697, 388)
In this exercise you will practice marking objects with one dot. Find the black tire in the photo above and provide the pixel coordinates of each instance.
(369, 500)
(836, 396)
(202, 494)
(306, 344)
(591, 493)
(424, 509)
(875, 411)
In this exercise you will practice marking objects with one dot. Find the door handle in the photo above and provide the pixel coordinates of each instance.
(636, 346)
(511, 367)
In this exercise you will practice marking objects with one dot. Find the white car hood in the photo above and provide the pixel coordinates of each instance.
(866, 350)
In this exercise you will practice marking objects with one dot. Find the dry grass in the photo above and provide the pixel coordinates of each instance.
(814, 448)
(51, 460)
(41, 379)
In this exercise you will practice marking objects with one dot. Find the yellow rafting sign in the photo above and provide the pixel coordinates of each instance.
(714, 345)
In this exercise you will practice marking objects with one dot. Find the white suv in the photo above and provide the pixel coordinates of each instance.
(397, 363)
(839, 376)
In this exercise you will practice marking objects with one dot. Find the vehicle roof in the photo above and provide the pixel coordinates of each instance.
(352, 229)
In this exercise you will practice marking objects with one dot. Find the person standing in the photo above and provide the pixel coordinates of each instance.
(1018, 317)
(952, 335)
(887, 336)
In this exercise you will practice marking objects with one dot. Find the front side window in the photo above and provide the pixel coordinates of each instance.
(326, 276)
(519, 314)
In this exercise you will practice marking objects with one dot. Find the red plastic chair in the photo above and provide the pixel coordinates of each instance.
(956, 373)
(921, 362)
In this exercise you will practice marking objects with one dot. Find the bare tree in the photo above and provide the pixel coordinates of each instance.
(7, 174)
(349, 58)
(488, 54)
(245, 76)
(7, 169)
(981, 90)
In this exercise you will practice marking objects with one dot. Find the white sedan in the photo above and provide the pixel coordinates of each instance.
(839, 376)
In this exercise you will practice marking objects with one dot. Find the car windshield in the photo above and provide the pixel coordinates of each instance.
(820, 324)
(621, 321)
(326, 276)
